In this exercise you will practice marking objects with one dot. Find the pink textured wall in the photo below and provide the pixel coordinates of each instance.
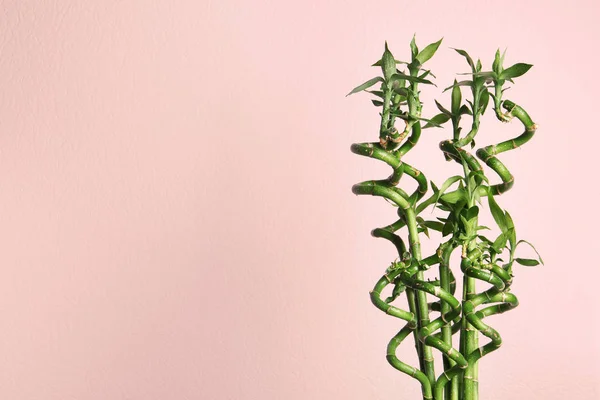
(176, 220)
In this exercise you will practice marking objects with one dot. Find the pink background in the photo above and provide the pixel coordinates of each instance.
(175, 206)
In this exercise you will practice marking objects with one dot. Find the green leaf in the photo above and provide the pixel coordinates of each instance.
(456, 98)
(401, 76)
(428, 52)
(528, 262)
(447, 183)
(366, 85)
(455, 197)
(533, 247)
(377, 93)
(389, 63)
(402, 91)
(467, 56)
(464, 109)
(484, 100)
(435, 225)
(515, 71)
(499, 243)
(414, 50)
(478, 66)
(423, 230)
(511, 233)
(497, 213)
(461, 83)
(379, 63)
(441, 108)
(496, 65)
(377, 103)
(448, 227)
(472, 212)
(481, 74)
(437, 121)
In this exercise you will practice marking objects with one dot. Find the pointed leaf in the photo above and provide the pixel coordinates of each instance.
(366, 85)
(379, 63)
(528, 262)
(377, 93)
(496, 65)
(515, 71)
(484, 74)
(437, 121)
(497, 212)
(464, 109)
(461, 83)
(442, 108)
(456, 98)
(428, 51)
(534, 249)
(414, 50)
(401, 76)
(447, 183)
(435, 225)
(389, 63)
(484, 100)
(467, 56)
(499, 243)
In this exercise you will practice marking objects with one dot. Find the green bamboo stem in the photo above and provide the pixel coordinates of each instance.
(422, 309)
(501, 280)
(488, 153)
(446, 280)
(426, 332)
(411, 318)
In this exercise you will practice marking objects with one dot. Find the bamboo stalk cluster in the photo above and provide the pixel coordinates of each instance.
(490, 260)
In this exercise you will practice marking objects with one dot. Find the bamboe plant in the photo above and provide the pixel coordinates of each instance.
(484, 258)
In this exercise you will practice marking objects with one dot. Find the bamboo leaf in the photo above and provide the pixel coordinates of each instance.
(377, 103)
(441, 108)
(366, 85)
(528, 262)
(515, 71)
(414, 50)
(472, 212)
(428, 51)
(389, 63)
(497, 213)
(481, 74)
(461, 83)
(456, 99)
(512, 235)
(401, 76)
(448, 227)
(499, 243)
(467, 56)
(497, 65)
(454, 197)
(379, 63)
(464, 109)
(484, 100)
(377, 93)
(447, 183)
(437, 121)
(533, 247)
(435, 225)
